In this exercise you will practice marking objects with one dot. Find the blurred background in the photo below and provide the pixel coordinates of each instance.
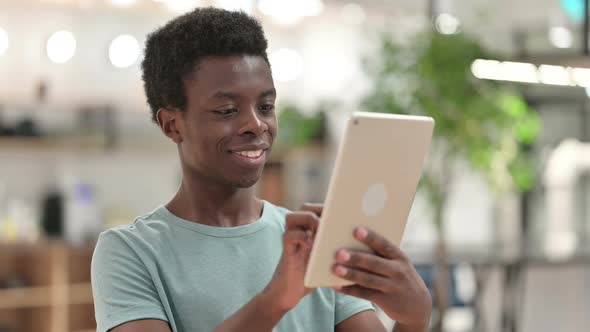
(499, 228)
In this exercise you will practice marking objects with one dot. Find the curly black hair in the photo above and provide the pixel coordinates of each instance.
(173, 51)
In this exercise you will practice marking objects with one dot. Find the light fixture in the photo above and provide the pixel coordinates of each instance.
(529, 73)
(244, 5)
(289, 12)
(446, 24)
(560, 37)
(554, 75)
(286, 64)
(124, 51)
(504, 71)
(519, 72)
(3, 41)
(581, 76)
(182, 6)
(353, 13)
(61, 46)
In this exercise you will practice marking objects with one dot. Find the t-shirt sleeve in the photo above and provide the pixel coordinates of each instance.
(348, 306)
(122, 287)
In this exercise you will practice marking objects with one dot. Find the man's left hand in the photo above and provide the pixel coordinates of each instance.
(386, 278)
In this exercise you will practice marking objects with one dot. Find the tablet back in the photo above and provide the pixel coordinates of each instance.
(377, 169)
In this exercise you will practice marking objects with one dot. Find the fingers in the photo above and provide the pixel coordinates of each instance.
(316, 208)
(364, 279)
(302, 220)
(359, 291)
(295, 237)
(380, 244)
(368, 262)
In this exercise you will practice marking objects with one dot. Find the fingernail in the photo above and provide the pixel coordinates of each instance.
(340, 270)
(361, 233)
(337, 288)
(343, 256)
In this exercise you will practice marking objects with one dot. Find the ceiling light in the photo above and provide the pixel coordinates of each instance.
(519, 72)
(560, 37)
(124, 51)
(554, 75)
(446, 24)
(61, 46)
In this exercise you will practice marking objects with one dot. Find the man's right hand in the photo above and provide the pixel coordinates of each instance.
(286, 287)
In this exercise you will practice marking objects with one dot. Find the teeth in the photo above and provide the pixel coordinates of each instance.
(250, 154)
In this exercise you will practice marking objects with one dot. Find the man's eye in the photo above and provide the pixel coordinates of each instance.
(267, 108)
(226, 112)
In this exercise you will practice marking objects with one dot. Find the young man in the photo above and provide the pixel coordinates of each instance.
(216, 258)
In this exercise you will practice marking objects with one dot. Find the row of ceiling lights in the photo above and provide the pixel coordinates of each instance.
(124, 50)
(530, 73)
(61, 46)
(284, 12)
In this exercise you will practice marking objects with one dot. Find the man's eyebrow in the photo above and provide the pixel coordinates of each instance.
(225, 95)
(232, 95)
(269, 93)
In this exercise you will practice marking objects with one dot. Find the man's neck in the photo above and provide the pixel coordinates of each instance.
(214, 204)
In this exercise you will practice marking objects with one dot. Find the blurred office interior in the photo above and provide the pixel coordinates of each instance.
(507, 194)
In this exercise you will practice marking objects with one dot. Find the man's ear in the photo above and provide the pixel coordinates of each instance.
(170, 123)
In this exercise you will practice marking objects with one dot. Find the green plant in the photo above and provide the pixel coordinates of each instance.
(486, 123)
(298, 129)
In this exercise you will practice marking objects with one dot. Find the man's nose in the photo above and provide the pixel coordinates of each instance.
(253, 123)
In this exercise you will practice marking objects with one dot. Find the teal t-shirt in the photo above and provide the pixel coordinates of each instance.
(195, 276)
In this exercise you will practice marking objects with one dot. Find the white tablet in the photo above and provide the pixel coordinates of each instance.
(377, 169)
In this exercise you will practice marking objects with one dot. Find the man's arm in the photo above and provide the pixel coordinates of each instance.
(258, 315)
(363, 321)
(368, 321)
(143, 325)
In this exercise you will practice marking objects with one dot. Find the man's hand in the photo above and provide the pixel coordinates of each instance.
(386, 278)
(286, 286)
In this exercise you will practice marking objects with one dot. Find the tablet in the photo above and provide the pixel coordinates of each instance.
(375, 177)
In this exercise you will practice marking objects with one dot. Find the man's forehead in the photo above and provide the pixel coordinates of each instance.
(232, 75)
(246, 64)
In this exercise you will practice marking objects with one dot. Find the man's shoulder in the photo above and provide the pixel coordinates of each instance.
(277, 209)
(144, 230)
(275, 213)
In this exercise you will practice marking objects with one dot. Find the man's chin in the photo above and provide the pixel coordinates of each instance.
(246, 182)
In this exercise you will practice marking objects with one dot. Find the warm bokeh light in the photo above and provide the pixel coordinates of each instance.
(446, 24)
(61, 46)
(560, 37)
(124, 51)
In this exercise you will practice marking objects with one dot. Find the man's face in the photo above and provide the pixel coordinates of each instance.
(230, 123)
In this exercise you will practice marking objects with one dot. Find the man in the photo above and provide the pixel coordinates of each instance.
(216, 258)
